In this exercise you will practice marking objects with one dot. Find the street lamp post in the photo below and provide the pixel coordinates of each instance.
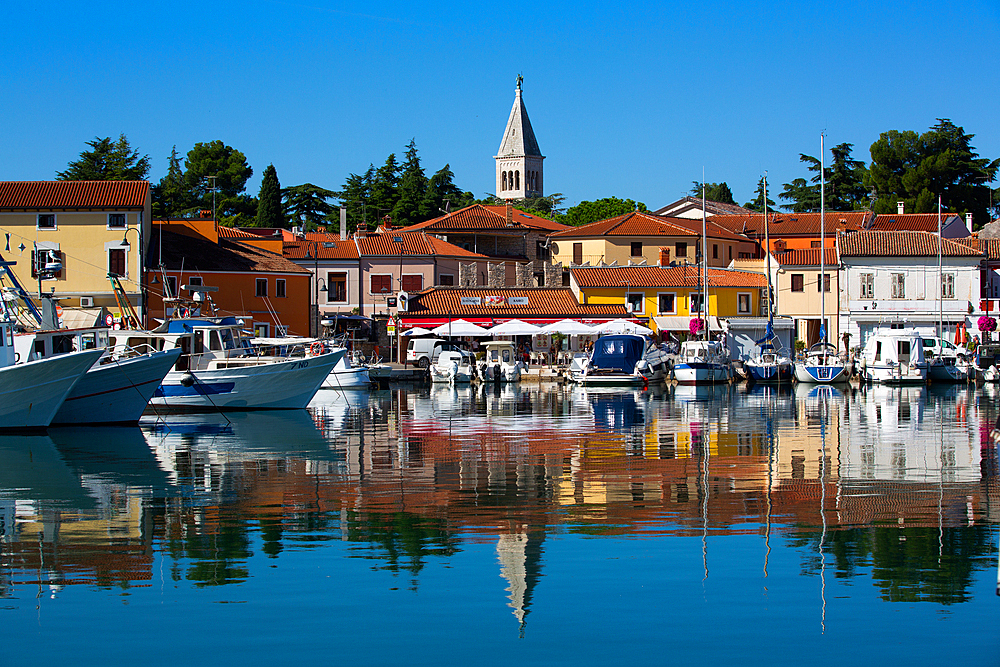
(142, 290)
(314, 314)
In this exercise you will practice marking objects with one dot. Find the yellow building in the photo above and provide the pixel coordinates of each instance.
(668, 297)
(67, 236)
(637, 237)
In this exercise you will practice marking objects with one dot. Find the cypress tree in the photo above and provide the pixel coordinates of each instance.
(270, 212)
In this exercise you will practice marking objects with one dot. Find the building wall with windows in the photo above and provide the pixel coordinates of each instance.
(80, 225)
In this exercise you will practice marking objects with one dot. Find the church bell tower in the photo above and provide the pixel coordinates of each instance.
(519, 162)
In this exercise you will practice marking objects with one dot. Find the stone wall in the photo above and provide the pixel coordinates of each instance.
(468, 274)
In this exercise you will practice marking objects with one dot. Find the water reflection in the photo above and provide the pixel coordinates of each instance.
(894, 485)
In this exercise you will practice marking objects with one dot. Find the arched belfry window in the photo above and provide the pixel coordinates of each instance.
(517, 179)
(504, 187)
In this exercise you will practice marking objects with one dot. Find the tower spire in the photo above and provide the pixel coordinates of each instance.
(518, 161)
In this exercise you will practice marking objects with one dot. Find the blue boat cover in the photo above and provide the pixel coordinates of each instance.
(618, 352)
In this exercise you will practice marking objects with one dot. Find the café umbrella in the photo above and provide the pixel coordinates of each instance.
(460, 328)
(622, 327)
(514, 328)
(569, 327)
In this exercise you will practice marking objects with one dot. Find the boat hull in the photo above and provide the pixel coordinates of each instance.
(702, 373)
(286, 384)
(348, 378)
(116, 392)
(821, 373)
(768, 373)
(31, 393)
(894, 375)
(946, 373)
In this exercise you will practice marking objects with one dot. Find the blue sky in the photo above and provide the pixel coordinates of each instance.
(626, 99)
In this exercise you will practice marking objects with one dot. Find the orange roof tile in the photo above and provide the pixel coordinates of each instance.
(548, 302)
(637, 223)
(663, 276)
(793, 224)
(478, 216)
(235, 233)
(411, 243)
(332, 249)
(911, 222)
(807, 257)
(901, 244)
(989, 247)
(49, 195)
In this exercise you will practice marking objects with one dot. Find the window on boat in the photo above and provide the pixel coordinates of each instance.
(903, 350)
(62, 344)
(214, 342)
(88, 341)
(39, 348)
(506, 356)
(878, 350)
(198, 345)
(228, 340)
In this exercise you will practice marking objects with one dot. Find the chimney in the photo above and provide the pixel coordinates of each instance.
(664, 256)
(510, 214)
(343, 223)
(205, 213)
(900, 207)
(968, 221)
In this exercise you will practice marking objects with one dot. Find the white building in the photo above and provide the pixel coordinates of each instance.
(519, 162)
(891, 277)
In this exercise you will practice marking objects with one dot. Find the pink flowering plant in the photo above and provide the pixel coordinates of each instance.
(987, 323)
(696, 325)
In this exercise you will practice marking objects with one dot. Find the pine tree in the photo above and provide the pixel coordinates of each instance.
(307, 203)
(412, 187)
(385, 191)
(270, 212)
(717, 192)
(758, 203)
(441, 195)
(171, 196)
(108, 161)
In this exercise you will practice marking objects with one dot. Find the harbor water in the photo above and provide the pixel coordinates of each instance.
(514, 524)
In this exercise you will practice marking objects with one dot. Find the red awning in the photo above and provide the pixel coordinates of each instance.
(431, 322)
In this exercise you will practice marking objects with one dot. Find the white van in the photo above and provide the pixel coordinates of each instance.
(424, 351)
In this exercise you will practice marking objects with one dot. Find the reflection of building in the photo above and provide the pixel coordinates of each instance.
(520, 556)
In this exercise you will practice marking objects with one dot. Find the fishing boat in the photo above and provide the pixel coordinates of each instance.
(893, 355)
(821, 363)
(454, 367)
(622, 359)
(218, 368)
(348, 373)
(941, 366)
(31, 392)
(500, 362)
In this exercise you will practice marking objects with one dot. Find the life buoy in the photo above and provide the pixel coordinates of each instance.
(316, 348)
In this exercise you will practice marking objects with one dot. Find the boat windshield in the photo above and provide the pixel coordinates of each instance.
(617, 353)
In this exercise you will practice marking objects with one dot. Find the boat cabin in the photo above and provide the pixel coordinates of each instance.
(500, 352)
(618, 352)
(204, 344)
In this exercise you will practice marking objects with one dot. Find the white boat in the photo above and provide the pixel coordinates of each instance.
(893, 356)
(703, 362)
(115, 390)
(943, 364)
(348, 373)
(621, 359)
(500, 362)
(219, 370)
(453, 366)
(32, 392)
(822, 365)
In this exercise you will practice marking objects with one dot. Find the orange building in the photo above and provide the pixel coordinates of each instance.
(794, 231)
(268, 291)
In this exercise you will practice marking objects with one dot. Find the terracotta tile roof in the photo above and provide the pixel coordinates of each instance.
(637, 223)
(412, 243)
(198, 254)
(558, 302)
(478, 216)
(793, 224)
(235, 233)
(990, 247)
(807, 257)
(690, 203)
(911, 222)
(663, 276)
(901, 244)
(333, 248)
(49, 195)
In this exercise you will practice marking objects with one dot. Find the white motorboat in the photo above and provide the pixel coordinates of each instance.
(219, 370)
(500, 363)
(822, 365)
(31, 392)
(115, 390)
(703, 362)
(453, 366)
(894, 356)
(621, 359)
(348, 373)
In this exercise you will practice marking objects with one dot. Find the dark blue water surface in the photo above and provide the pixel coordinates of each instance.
(520, 525)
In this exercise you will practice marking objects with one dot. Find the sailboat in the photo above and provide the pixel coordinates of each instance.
(770, 365)
(943, 367)
(822, 364)
(704, 361)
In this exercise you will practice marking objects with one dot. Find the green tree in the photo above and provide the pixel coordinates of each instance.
(270, 212)
(916, 169)
(171, 197)
(412, 189)
(717, 192)
(354, 196)
(231, 172)
(308, 203)
(107, 161)
(804, 197)
(845, 181)
(385, 190)
(758, 203)
(591, 211)
(442, 195)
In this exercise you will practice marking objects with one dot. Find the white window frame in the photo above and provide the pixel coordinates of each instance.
(261, 329)
(450, 275)
(116, 245)
(171, 286)
(38, 221)
(408, 275)
(867, 286)
(195, 281)
(347, 287)
(692, 296)
(256, 289)
(897, 283)
(124, 224)
(642, 301)
(282, 292)
(749, 308)
(666, 312)
(947, 285)
(372, 275)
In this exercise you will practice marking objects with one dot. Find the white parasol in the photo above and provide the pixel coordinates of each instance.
(459, 328)
(514, 328)
(622, 327)
(569, 327)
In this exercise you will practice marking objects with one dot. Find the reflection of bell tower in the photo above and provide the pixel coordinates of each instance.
(520, 556)
(519, 162)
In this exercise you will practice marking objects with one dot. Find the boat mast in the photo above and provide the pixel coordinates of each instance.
(704, 256)
(822, 242)
(940, 280)
(767, 250)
